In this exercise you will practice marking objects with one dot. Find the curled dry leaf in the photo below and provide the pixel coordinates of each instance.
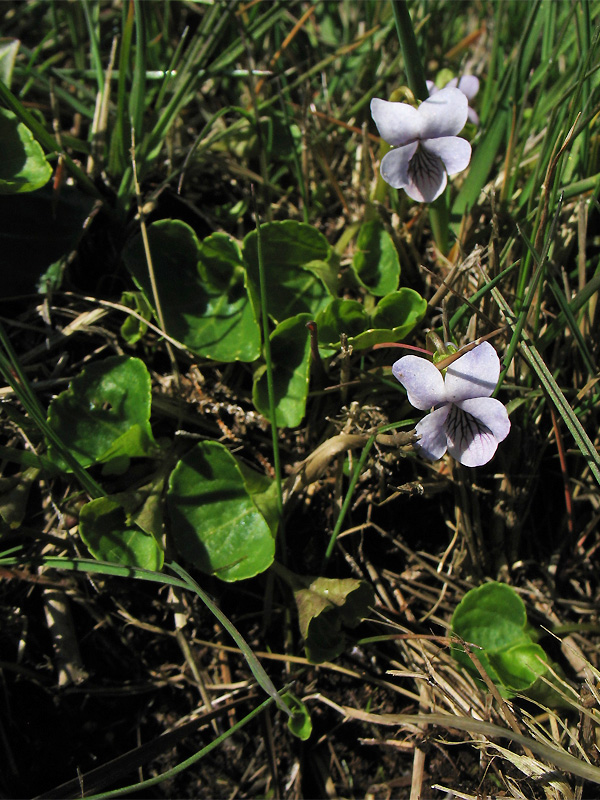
(313, 467)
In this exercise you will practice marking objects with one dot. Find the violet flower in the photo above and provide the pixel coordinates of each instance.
(468, 85)
(465, 419)
(426, 149)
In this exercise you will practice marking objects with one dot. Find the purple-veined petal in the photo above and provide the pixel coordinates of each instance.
(469, 85)
(469, 440)
(422, 380)
(394, 165)
(489, 412)
(444, 114)
(432, 430)
(398, 123)
(426, 176)
(452, 150)
(473, 375)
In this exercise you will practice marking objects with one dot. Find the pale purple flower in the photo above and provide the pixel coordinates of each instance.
(468, 85)
(465, 419)
(426, 148)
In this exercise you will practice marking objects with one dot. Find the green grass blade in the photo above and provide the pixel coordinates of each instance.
(567, 314)
(580, 299)
(46, 139)
(536, 362)
(189, 762)
(183, 581)
(410, 50)
(256, 668)
(582, 440)
(348, 499)
(120, 142)
(16, 379)
(270, 385)
(137, 98)
(94, 46)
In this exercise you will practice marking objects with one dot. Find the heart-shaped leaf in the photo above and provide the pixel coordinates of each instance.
(520, 666)
(104, 415)
(134, 328)
(399, 312)
(493, 617)
(143, 507)
(376, 263)
(290, 354)
(107, 535)
(264, 492)
(341, 316)
(288, 248)
(393, 319)
(201, 288)
(214, 521)
(23, 166)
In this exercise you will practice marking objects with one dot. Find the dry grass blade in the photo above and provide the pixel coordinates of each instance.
(559, 759)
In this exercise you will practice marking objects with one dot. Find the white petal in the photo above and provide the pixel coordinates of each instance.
(473, 116)
(432, 430)
(394, 165)
(397, 123)
(473, 375)
(469, 86)
(427, 176)
(469, 440)
(422, 380)
(489, 412)
(444, 114)
(453, 151)
(431, 88)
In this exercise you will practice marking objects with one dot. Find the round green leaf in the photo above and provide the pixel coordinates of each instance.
(103, 528)
(290, 354)
(219, 261)
(23, 166)
(264, 493)
(202, 291)
(492, 616)
(376, 263)
(214, 522)
(393, 319)
(520, 666)
(288, 248)
(134, 328)
(300, 723)
(104, 414)
(341, 316)
(399, 311)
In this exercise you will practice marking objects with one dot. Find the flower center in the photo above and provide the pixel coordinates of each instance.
(462, 428)
(425, 166)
